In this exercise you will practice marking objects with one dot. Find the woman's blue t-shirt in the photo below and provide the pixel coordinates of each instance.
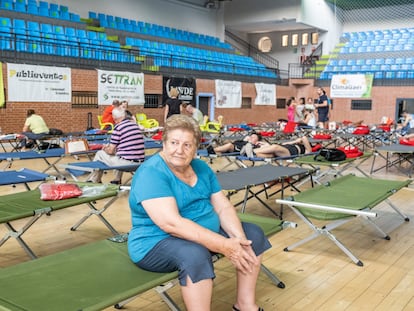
(154, 179)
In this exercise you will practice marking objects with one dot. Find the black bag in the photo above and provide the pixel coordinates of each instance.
(330, 154)
(53, 131)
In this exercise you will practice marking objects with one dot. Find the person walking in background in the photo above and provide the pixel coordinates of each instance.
(180, 217)
(323, 108)
(172, 104)
(126, 146)
(291, 107)
(34, 128)
(194, 112)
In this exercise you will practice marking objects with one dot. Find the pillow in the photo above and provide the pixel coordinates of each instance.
(351, 152)
(407, 142)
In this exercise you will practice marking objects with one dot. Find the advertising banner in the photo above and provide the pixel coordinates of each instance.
(185, 86)
(120, 85)
(30, 83)
(351, 86)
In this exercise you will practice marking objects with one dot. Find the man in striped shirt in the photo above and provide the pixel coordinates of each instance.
(125, 147)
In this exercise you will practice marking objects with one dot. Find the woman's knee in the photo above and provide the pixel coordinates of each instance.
(260, 243)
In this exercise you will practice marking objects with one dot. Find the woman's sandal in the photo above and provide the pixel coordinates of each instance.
(237, 309)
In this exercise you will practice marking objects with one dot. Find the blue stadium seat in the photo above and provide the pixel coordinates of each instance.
(92, 15)
(32, 9)
(20, 6)
(19, 24)
(74, 17)
(6, 5)
(34, 41)
(31, 25)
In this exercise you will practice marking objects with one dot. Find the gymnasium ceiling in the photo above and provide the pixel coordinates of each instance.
(359, 4)
(278, 25)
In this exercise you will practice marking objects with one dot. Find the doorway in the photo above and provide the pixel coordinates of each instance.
(403, 104)
(205, 102)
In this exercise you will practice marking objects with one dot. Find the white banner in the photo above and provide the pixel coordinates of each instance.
(266, 94)
(228, 94)
(351, 86)
(29, 83)
(120, 85)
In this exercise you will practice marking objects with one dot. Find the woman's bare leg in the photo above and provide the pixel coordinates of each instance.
(246, 289)
(197, 296)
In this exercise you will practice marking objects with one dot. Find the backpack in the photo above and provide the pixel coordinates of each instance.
(330, 154)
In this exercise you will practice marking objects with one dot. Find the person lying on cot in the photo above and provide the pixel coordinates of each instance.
(236, 146)
(293, 148)
(180, 217)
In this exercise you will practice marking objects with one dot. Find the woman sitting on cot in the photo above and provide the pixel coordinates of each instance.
(293, 148)
(180, 216)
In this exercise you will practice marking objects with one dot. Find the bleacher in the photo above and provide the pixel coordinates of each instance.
(387, 54)
(105, 38)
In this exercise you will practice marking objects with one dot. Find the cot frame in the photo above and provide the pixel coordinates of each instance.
(129, 280)
(41, 208)
(22, 176)
(245, 179)
(349, 212)
(404, 155)
(335, 168)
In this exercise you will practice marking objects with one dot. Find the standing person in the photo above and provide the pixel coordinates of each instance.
(180, 216)
(34, 128)
(323, 108)
(107, 113)
(299, 110)
(172, 104)
(125, 147)
(291, 107)
(194, 112)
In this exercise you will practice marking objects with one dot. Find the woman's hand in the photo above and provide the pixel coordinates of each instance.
(240, 253)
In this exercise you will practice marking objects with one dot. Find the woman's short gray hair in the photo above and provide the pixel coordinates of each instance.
(182, 122)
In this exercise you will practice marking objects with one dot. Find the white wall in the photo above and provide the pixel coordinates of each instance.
(180, 15)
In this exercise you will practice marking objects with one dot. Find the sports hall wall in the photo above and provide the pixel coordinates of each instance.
(62, 115)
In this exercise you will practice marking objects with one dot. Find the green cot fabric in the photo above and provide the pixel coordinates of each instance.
(350, 192)
(25, 204)
(89, 277)
(309, 159)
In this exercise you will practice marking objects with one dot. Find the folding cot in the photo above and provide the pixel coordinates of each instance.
(403, 155)
(77, 169)
(57, 154)
(334, 168)
(250, 177)
(23, 176)
(94, 276)
(230, 157)
(29, 205)
(10, 139)
(339, 201)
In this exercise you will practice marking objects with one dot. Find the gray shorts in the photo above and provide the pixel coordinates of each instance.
(192, 259)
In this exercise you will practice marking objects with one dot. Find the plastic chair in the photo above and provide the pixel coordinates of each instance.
(105, 125)
(146, 123)
(212, 127)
